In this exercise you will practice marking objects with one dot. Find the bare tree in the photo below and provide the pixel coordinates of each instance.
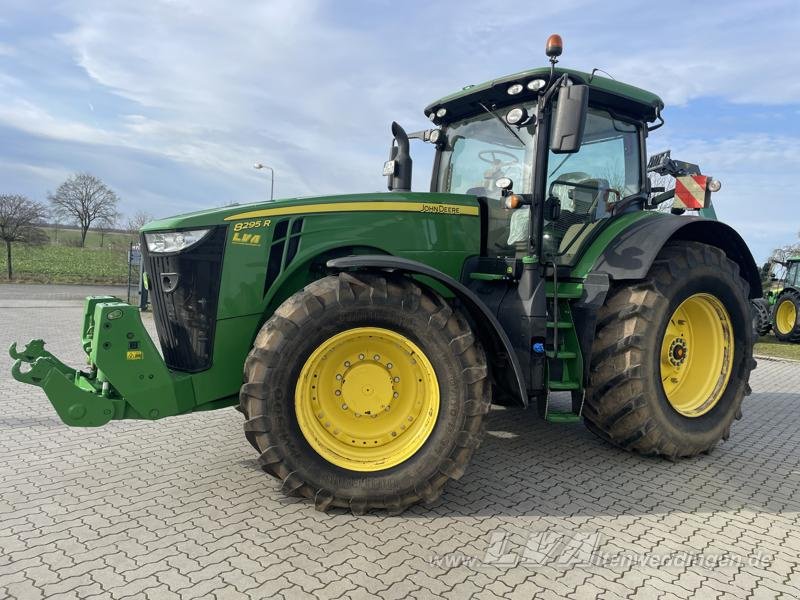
(84, 199)
(137, 221)
(780, 255)
(19, 222)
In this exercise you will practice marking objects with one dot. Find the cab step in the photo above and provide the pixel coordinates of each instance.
(561, 354)
(558, 386)
(558, 416)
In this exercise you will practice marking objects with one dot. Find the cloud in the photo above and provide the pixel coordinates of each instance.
(199, 91)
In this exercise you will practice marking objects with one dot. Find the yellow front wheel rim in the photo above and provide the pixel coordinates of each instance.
(367, 399)
(786, 316)
(697, 355)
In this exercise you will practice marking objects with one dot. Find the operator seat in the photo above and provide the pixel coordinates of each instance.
(589, 204)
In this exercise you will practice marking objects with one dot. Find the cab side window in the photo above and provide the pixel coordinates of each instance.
(589, 182)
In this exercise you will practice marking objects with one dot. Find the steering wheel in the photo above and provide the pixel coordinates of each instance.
(493, 160)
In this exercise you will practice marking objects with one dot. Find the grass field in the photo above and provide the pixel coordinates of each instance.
(769, 346)
(61, 260)
(65, 264)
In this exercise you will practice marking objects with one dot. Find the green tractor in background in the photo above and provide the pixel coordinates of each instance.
(365, 336)
(784, 300)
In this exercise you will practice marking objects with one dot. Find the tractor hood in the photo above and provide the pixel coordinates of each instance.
(378, 202)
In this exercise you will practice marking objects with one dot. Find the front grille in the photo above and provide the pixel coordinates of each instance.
(184, 291)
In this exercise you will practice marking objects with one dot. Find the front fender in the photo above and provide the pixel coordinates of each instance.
(490, 331)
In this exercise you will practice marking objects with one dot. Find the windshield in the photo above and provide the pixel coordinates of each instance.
(479, 151)
(588, 183)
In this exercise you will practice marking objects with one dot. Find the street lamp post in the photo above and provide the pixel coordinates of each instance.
(271, 178)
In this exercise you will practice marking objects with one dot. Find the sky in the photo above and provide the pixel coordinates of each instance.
(171, 102)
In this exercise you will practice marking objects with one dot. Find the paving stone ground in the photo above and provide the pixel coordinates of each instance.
(179, 508)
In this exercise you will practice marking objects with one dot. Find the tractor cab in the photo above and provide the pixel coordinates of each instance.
(551, 154)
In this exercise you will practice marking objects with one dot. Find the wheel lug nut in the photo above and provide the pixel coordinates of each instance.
(389, 365)
(347, 363)
(344, 406)
(396, 395)
(338, 392)
(360, 357)
(376, 357)
(397, 380)
(410, 419)
(338, 377)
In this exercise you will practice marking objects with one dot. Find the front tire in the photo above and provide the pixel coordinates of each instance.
(365, 392)
(672, 355)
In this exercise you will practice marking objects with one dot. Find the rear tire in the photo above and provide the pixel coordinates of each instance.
(785, 321)
(761, 317)
(302, 340)
(627, 402)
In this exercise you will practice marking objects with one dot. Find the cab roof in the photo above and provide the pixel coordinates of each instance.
(627, 99)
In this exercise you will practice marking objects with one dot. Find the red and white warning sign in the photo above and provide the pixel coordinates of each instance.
(691, 192)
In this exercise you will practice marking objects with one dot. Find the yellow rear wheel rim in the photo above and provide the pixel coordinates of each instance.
(697, 355)
(786, 316)
(367, 399)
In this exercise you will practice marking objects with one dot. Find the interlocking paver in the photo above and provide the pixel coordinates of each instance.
(180, 508)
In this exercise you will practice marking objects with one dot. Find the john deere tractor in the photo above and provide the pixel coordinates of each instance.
(785, 300)
(365, 336)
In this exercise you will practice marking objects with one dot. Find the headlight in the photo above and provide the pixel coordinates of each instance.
(514, 89)
(174, 241)
(535, 85)
(515, 115)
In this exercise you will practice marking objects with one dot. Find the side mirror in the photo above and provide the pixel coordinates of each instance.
(570, 119)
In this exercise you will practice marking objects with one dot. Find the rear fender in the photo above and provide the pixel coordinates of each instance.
(490, 331)
(631, 254)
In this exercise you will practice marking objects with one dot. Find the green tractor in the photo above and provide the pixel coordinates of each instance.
(785, 302)
(365, 336)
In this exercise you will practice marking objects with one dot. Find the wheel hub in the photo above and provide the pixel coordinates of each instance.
(677, 352)
(694, 382)
(366, 388)
(367, 399)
